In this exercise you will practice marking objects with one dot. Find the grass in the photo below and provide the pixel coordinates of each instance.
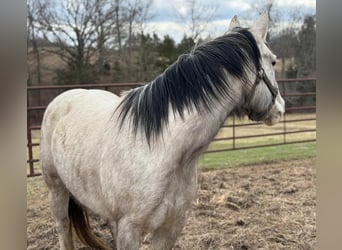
(36, 187)
(257, 155)
(263, 154)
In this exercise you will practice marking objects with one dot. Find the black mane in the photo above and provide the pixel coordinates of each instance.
(195, 80)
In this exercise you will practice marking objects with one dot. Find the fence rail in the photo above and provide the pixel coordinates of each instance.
(39, 96)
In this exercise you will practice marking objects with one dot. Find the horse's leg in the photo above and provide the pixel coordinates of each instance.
(128, 235)
(113, 226)
(59, 202)
(165, 237)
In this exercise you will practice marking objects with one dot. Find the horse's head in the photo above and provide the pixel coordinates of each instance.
(262, 98)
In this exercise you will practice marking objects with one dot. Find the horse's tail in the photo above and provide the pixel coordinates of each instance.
(80, 221)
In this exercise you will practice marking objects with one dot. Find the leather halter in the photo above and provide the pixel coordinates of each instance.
(261, 76)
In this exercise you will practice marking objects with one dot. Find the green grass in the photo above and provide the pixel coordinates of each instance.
(257, 155)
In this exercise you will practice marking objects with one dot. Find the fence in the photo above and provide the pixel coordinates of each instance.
(301, 111)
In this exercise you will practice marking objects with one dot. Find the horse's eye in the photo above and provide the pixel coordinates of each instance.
(274, 63)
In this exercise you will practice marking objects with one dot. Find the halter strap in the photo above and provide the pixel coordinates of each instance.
(261, 76)
(271, 88)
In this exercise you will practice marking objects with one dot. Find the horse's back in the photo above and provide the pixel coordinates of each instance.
(77, 98)
(76, 101)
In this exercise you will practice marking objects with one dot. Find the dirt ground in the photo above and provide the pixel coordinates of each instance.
(270, 206)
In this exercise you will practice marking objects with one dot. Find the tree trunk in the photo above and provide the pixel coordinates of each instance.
(118, 25)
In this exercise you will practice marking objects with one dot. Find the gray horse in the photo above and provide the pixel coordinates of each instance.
(132, 159)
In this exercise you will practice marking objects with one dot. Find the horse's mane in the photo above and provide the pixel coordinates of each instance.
(195, 80)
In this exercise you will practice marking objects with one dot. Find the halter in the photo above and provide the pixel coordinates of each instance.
(261, 76)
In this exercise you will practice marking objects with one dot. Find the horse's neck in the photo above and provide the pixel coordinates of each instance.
(207, 124)
(193, 134)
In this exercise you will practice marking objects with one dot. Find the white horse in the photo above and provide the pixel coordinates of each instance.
(132, 159)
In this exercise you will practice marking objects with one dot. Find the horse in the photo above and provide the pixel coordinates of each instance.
(132, 158)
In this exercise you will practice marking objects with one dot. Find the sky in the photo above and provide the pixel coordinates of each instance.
(165, 20)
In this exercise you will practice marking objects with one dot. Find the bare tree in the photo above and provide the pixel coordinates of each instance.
(136, 13)
(70, 25)
(104, 23)
(33, 7)
(132, 10)
(144, 15)
(282, 36)
(196, 16)
(146, 52)
(119, 23)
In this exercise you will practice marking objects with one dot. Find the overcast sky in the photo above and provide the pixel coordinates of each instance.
(165, 19)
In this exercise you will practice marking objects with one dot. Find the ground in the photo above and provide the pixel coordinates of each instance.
(269, 206)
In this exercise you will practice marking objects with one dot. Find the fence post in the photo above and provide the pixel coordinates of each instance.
(233, 131)
(29, 138)
(284, 116)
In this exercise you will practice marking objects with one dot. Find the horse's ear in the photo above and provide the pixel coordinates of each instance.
(261, 26)
(234, 23)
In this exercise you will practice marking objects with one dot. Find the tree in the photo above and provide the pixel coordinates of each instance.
(196, 17)
(33, 9)
(301, 48)
(186, 44)
(305, 59)
(104, 23)
(148, 67)
(70, 24)
(129, 18)
(284, 44)
(282, 36)
(167, 51)
(119, 24)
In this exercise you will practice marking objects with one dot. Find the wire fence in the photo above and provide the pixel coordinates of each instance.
(297, 126)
